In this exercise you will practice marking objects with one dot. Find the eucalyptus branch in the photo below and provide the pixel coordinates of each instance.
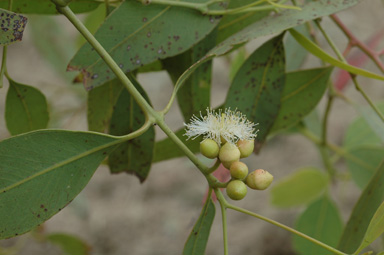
(223, 207)
(153, 116)
(298, 233)
(356, 83)
(354, 41)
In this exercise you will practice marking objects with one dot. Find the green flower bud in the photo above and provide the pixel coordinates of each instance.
(228, 154)
(259, 179)
(238, 170)
(236, 190)
(209, 148)
(246, 147)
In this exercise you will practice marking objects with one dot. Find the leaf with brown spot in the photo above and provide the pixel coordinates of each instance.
(302, 92)
(134, 156)
(11, 27)
(257, 87)
(141, 35)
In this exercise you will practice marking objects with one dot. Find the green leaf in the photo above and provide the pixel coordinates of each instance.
(231, 24)
(42, 171)
(285, 19)
(258, 85)
(373, 120)
(295, 54)
(12, 26)
(318, 52)
(25, 109)
(141, 35)
(366, 206)
(55, 44)
(47, 7)
(302, 92)
(134, 156)
(166, 148)
(237, 61)
(321, 220)
(299, 188)
(364, 149)
(194, 96)
(101, 101)
(197, 240)
(375, 228)
(71, 245)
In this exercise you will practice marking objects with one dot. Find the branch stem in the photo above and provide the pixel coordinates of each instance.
(298, 233)
(223, 207)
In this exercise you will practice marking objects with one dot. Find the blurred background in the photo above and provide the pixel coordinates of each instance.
(115, 214)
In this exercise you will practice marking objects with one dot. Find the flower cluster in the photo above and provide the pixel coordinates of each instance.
(228, 125)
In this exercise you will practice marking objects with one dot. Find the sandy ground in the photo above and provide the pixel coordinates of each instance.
(117, 215)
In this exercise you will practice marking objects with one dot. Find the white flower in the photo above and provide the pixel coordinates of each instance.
(230, 125)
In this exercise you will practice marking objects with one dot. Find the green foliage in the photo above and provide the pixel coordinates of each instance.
(25, 109)
(321, 220)
(12, 27)
(52, 167)
(300, 188)
(70, 244)
(365, 208)
(133, 156)
(198, 239)
(257, 87)
(140, 40)
(42, 171)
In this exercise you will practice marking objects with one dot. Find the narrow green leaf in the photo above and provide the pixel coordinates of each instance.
(12, 26)
(257, 87)
(101, 101)
(295, 54)
(142, 34)
(47, 7)
(231, 24)
(366, 206)
(198, 239)
(134, 156)
(321, 220)
(302, 92)
(194, 96)
(320, 53)
(25, 109)
(237, 61)
(70, 244)
(42, 171)
(299, 188)
(375, 228)
(166, 148)
(365, 150)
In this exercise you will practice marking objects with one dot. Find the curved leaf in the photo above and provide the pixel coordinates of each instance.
(366, 206)
(12, 26)
(258, 85)
(134, 156)
(299, 188)
(321, 220)
(71, 245)
(47, 7)
(318, 52)
(25, 109)
(101, 101)
(197, 240)
(302, 92)
(42, 171)
(195, 95)
(141, 35)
